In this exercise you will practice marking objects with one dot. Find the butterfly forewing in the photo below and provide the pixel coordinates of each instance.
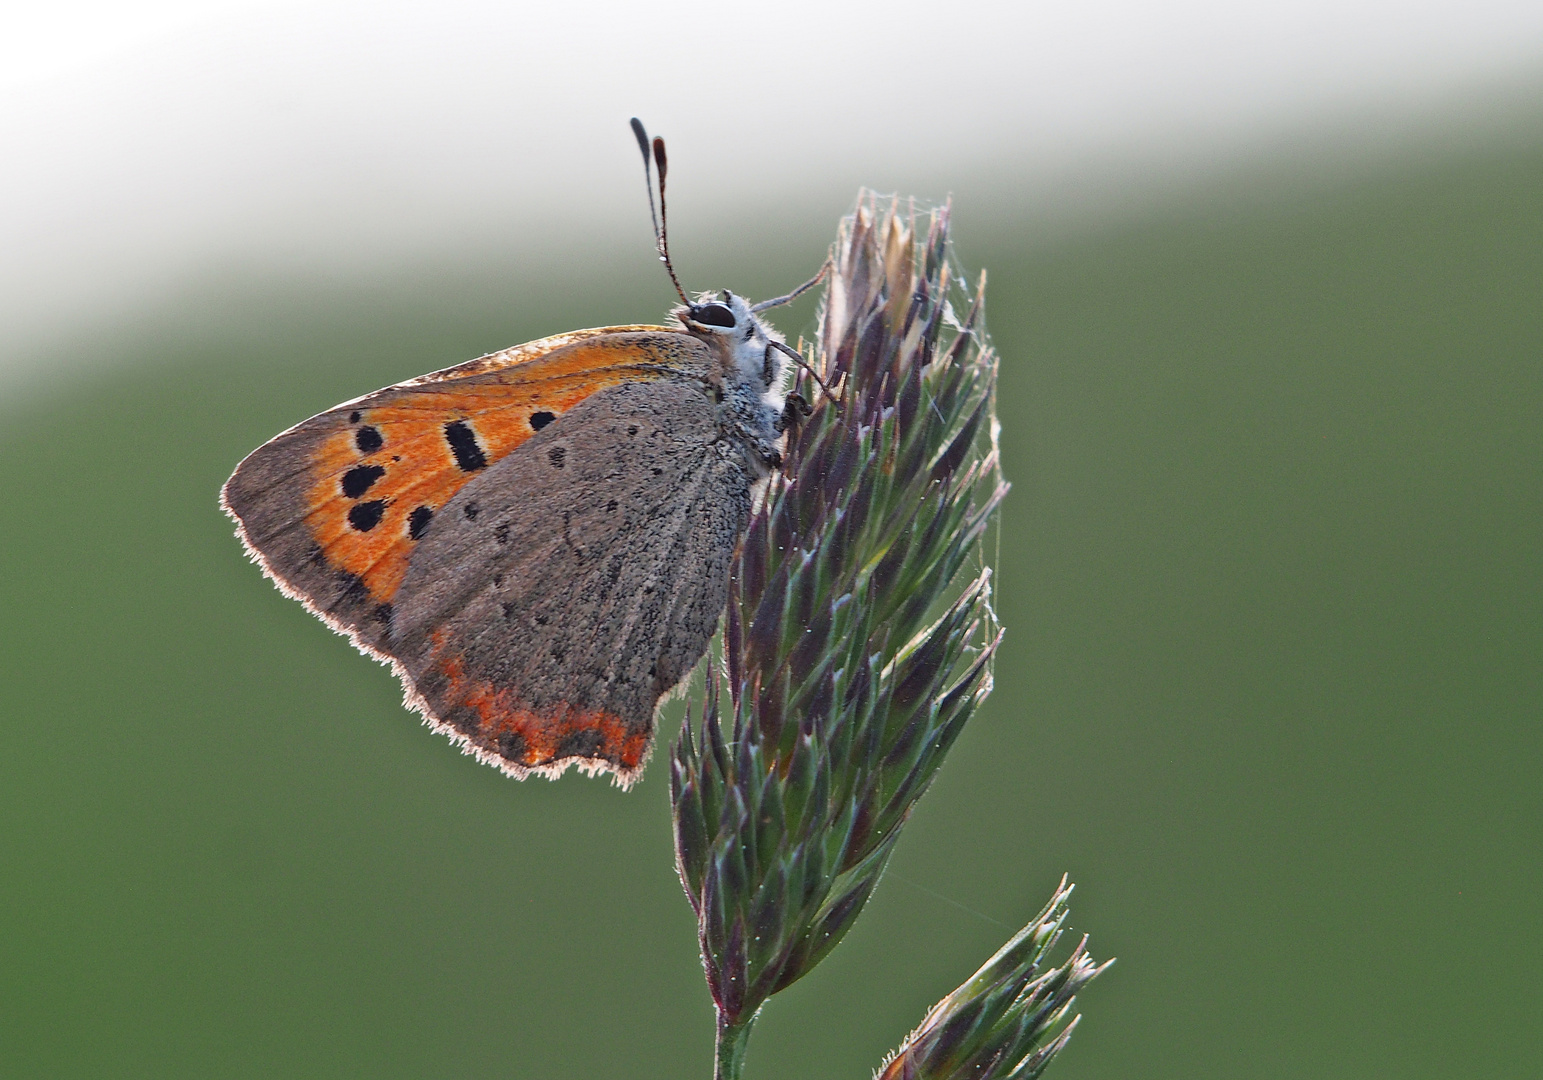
(334, 507)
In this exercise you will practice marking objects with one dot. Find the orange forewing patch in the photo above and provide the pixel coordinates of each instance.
(409, 464)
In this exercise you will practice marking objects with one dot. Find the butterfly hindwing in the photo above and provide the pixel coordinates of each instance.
(558, 594)
(334, 508)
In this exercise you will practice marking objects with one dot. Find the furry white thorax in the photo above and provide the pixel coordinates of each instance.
(755, 375)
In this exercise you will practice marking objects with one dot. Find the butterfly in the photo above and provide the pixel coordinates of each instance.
(538, 541)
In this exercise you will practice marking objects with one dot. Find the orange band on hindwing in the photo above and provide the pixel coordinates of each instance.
(497, 724)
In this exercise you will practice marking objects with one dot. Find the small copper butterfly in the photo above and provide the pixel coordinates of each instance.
(537, 541)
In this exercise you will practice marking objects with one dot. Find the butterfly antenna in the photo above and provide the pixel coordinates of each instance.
(798, 359)
(664, 221)
(796, 293)
(648, 174)
(661, 221)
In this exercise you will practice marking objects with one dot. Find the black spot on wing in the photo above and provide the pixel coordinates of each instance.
(539, 420)
(352, 592)
(361, 478)
(463, 444)
(368, 440)
(511, 744)
(418, 522)
(579, 744)
(557, 456)
(365, 516)
(464, 719)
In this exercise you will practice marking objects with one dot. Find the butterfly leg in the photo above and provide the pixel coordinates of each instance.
(794, 409)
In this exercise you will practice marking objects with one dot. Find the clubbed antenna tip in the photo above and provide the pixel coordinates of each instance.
(661, 220)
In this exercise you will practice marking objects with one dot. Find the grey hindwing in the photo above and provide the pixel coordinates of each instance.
(589, 567)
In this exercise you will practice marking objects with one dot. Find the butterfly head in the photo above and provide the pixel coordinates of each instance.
(750, 353)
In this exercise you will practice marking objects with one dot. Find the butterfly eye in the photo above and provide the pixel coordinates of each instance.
(713, 315)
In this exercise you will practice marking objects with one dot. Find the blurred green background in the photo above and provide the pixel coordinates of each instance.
(1272, 574)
